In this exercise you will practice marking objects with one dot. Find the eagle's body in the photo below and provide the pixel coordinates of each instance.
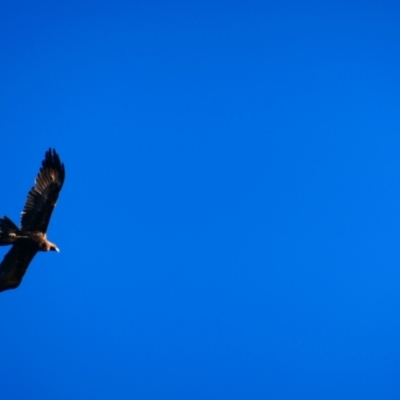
(30, 237)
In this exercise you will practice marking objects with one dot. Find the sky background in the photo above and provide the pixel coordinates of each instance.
(229, 225)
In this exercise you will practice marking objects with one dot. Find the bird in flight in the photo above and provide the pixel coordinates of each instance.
(30, 237)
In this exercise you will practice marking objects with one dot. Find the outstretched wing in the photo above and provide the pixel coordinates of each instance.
(15, 264)
(43, 196)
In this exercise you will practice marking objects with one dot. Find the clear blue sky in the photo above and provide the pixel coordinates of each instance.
(229, 226)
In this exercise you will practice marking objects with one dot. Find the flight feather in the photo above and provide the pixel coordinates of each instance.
(42, 198)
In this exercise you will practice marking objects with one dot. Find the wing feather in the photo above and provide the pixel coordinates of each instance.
(15, 264)
(42, 198)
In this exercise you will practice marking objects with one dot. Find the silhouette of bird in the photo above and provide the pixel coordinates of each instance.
(30, 237)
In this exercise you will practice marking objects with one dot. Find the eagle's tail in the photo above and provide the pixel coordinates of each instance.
(8, 231)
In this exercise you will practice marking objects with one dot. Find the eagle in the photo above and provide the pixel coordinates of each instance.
(30, 237)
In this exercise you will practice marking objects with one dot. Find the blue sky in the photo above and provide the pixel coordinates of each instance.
(229, 224)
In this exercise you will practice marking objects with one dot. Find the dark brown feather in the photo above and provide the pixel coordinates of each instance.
(15, 264)
(42, 198)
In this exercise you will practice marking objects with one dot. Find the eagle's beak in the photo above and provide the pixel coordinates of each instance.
(57, 249)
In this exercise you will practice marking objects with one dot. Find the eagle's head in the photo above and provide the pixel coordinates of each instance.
(48, 246)
(53, 247)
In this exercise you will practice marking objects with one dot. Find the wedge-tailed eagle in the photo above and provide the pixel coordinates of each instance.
(30, 237)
